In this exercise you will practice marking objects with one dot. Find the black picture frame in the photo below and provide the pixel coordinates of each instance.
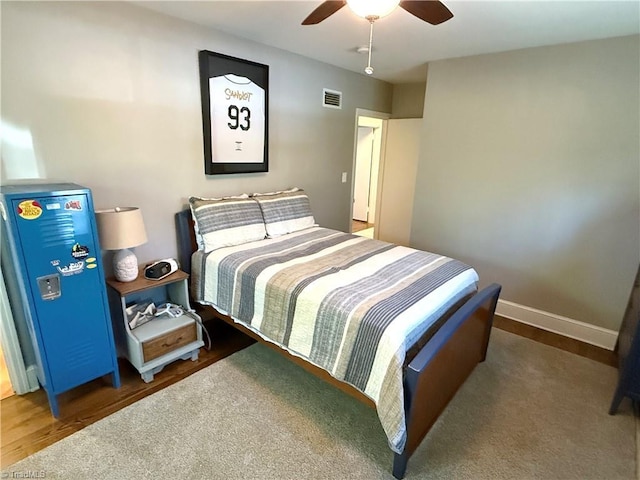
(237, 130)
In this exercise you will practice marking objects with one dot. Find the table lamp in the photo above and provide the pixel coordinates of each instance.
(120, 229)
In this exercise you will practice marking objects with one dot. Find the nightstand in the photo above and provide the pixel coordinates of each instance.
(152, 345)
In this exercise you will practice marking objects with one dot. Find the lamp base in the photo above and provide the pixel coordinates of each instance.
(125, 265)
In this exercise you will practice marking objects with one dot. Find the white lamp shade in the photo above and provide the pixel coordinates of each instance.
(120, 227)
(375, 8)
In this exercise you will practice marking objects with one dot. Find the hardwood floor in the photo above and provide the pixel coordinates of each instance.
(27, 425)
(357, 225)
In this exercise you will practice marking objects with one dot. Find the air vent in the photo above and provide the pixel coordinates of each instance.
(331, 98)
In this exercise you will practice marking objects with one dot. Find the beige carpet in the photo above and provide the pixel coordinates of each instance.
(529, 412)
(365, 233)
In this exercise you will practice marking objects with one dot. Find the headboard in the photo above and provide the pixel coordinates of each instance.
(186, 239)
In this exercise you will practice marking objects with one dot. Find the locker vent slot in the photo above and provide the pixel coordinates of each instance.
(331, 98)
(57, 230)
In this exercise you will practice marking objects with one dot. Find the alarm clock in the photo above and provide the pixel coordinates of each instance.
(160, 269)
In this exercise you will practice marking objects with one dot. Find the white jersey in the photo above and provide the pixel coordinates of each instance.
(237, 120)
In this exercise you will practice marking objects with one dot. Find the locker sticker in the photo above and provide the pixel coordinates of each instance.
(72, 269)
(73, 205)
(79, 251)
(29, 209)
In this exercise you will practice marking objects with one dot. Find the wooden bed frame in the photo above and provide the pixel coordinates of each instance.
(431, 378)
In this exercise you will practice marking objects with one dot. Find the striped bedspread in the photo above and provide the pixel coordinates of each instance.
(347, 304)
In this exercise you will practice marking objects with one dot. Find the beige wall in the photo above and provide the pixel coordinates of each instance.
(530, 172)
(107, 95)
(408, 100)
(399, 165)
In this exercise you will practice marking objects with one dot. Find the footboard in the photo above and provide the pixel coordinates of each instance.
(442, 366)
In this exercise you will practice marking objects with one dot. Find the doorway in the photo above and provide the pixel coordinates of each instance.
(6, 389)
(366, 172)
(15, 376)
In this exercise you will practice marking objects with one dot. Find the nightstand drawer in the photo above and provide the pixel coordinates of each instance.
(168, 342)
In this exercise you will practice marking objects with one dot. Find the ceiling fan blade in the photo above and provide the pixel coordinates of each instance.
(325, 10)
(431, 11)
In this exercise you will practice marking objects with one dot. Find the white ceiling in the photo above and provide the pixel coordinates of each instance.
(403, 43)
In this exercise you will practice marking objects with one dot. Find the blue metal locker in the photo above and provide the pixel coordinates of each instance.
(53, 246)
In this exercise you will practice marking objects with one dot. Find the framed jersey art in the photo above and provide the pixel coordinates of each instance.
(235, 114)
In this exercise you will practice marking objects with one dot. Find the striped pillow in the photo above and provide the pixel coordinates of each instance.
(285, 212)
(224, 222)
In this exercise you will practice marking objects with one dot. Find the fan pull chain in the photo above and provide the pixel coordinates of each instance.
(369, 69)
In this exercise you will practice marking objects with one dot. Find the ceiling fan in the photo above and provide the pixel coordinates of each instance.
(431, 11)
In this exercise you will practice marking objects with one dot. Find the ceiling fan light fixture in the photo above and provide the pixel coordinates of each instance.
(372, 8)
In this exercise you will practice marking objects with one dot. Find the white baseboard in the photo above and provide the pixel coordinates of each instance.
(585, 332)
(32, 376)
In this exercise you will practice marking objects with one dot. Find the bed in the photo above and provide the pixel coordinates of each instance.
(397, 328)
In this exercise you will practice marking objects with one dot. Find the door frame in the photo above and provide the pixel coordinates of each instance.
(361, 112)
(364, 166)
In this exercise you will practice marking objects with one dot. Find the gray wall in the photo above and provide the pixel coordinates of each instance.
(530, 171)
(107, 95)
